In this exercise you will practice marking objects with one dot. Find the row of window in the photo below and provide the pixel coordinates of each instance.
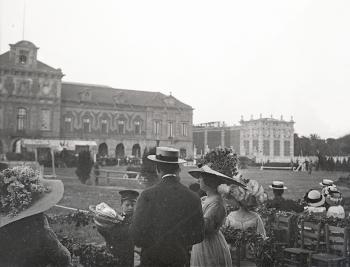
(45, 120)
(266, 147)
(157, 128)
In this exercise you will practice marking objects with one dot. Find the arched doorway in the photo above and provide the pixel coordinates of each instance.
(16, 146)
(136, 151)
(119, 151)
(103, 150)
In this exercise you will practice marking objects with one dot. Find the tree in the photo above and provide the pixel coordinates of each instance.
(85, 164)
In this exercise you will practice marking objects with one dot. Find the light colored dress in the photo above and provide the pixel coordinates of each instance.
(252, 220)
(213, 250)
(336, 211)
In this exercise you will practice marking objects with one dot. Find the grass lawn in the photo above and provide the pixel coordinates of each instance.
(80, 196)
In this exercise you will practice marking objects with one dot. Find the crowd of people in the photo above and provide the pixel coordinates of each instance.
(169, 224)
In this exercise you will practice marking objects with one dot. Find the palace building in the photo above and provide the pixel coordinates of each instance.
(38, 109)
(265, 139)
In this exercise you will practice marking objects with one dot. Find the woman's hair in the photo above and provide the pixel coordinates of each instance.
(211, 181)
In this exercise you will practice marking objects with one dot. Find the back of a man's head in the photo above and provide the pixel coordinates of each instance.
(278, 192)
(168, 168)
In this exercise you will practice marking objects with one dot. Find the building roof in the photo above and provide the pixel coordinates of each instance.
(107, 95)
(40, 66)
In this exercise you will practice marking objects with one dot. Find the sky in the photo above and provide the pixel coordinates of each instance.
(226, 59)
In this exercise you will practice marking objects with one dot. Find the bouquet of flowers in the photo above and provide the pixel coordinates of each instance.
(19, 188)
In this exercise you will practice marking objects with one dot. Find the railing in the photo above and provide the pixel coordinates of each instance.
(110, 175)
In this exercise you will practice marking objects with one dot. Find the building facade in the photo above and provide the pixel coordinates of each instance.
(36, 105)
(265, 139)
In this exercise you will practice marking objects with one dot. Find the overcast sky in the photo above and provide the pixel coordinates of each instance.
(224, 58)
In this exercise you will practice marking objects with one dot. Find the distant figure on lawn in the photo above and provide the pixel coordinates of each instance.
(168, 218)
(279, 202)
(117, 236)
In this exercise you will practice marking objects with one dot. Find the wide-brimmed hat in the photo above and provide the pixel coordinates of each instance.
(206, 170)
(278, 185)
(166, 155)
(45, 201)
(314, 198)
(326, 182)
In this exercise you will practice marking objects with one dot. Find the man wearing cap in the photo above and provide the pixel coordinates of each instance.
(280, 203)
(117, 236)
(168, 218)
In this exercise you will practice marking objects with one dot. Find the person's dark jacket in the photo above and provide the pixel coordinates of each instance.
(119, 242)
(283, 204)
(168, 220)
(30, 242)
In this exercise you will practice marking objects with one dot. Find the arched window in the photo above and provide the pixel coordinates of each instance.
(104, 126)
(21, 118)
(68, 124)
(137, 125)
(86, 125)
(121, 126)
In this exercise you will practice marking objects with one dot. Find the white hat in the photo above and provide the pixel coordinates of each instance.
(166, 155)
(278, 185)
(326, 182)
(314, 198)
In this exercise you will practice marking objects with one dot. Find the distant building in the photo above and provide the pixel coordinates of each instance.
(265, 139)
(38, 109)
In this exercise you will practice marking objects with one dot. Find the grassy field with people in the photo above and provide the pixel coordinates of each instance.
(80, 196)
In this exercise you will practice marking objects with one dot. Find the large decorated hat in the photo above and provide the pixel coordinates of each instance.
(206, 170)
(24, 193)
(278, 185)
(314, 198)
(166, 155)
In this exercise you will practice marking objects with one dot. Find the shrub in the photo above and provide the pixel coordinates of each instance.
(13, 156)
(85, 164)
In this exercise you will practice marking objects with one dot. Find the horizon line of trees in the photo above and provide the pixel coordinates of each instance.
(313, 145)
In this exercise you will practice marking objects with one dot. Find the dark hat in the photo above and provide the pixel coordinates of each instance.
(206, 170)
(166, 155)
(45, 201)
(129, 195)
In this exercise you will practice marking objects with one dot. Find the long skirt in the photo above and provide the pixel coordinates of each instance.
(212, 251)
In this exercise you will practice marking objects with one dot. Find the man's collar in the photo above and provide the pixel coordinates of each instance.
(168, 175)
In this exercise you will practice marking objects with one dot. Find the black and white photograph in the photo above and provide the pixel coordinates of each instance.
(155, 133)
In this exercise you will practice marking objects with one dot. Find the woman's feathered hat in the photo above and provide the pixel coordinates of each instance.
(24, 193)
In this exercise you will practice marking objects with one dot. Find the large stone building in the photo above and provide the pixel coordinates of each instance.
(37, 108)
(265, 139)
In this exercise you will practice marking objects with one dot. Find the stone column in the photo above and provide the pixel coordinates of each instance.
(271, 138)
(250, 152)
(205, 140)
(222, 138)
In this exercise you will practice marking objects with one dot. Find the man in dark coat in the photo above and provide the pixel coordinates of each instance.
(280, 203)
(168, 219)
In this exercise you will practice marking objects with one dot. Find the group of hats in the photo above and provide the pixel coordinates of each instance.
(171, 156)
(329, 194)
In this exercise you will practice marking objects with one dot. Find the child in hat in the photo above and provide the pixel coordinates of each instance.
(117, 236)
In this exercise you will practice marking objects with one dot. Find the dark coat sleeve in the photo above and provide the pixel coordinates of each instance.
(195, 225)
(141, 226)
